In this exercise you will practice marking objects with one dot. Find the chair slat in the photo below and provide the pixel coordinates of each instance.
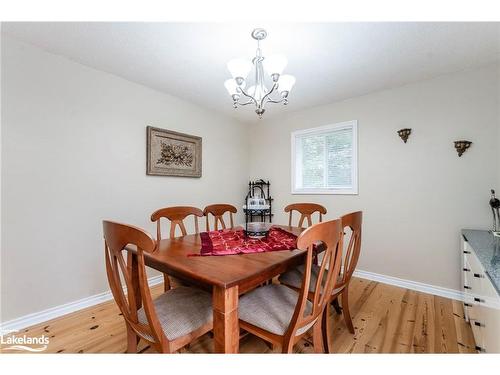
(218, 211)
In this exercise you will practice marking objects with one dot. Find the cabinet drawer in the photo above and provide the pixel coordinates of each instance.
(473, 311)
(471, 259)
(490, 314)
(491, 332)
(472, 281)
(478, 332)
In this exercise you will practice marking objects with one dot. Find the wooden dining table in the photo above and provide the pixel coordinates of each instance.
(226, 277)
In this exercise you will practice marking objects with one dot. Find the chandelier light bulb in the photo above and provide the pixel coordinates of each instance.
(286, 82)
(275, 64)
(239, 68)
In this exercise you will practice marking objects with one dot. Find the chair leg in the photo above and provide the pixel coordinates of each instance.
(132, 340)
(345, 309)
(273, 347)
(287, 347)
(326, 329)
(318, 344)
(166, 283)
(336, 306)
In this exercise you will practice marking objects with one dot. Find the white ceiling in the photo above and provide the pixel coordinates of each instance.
(331, 61)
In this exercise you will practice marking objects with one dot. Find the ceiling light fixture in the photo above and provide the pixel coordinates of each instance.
(257, 93)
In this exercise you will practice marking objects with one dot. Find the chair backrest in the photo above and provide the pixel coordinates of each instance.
(330, 234)
(218, 211)
(176, 215)
(116, 237)
(353, 221)
(305, 210)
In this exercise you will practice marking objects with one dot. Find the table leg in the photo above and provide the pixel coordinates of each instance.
(226, 326)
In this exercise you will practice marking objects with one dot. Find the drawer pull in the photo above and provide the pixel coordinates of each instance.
(466, 252)
(467, 287)
(479, 349)
(467, 304)
(478, 300)
(478, 324)
(478, 275)
(466, 269)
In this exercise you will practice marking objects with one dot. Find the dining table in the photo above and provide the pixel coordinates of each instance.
(226, 277)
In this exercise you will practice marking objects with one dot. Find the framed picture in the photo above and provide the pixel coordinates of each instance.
(171, 153)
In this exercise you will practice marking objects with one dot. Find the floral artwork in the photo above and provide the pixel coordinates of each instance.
(171, 153)
(175, 155)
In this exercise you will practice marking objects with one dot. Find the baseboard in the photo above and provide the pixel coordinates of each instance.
(58, 311)
(413, 285)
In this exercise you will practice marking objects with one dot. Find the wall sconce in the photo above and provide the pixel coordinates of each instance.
(404, 134)
(462, 146)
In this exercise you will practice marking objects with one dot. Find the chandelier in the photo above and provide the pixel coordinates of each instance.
(258, 93)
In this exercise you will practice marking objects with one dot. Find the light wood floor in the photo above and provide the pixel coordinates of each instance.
(387, 319)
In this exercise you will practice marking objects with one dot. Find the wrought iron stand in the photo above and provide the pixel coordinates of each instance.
(260, 189)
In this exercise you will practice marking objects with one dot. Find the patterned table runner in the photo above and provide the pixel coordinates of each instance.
(231, 242)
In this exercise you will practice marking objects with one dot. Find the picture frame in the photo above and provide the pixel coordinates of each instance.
(170, 153)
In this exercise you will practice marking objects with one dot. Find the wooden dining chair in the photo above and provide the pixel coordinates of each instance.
(306, 210)
(281, 315)
(218, 211)
(170, 321)
(294, 278)
(176, 216)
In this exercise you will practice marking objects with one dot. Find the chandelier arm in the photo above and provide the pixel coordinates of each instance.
(276, 101)
(252, 99)
(247, 103)
(275, 85)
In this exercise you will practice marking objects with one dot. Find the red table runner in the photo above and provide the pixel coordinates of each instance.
(230, 242)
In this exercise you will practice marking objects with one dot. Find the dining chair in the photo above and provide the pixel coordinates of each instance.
(294, 278)
(218, 211)
(170, 321)
(281, 315)
(176, 216)
(306, 210)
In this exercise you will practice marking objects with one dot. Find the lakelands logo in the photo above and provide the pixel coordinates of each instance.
(23, 342)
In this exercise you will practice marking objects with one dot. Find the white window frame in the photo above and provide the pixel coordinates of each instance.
(353, 190)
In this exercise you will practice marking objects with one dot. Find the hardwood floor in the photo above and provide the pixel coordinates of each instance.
(387, 319)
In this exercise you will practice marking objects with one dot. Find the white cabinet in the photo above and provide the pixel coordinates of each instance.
(481, 302)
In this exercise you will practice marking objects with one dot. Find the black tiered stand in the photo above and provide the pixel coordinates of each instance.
(258, 228)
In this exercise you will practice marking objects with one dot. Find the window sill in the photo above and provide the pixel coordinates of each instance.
(325, 192)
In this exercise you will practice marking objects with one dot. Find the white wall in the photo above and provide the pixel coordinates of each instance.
(74, 153)
(416, 196)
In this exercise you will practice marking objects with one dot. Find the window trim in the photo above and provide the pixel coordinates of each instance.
(320, 129)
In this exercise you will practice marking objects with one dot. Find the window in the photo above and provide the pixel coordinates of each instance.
(324, 159)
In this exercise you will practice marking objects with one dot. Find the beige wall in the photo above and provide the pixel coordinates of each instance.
(73, 153)
(498, 128)
(416, 196)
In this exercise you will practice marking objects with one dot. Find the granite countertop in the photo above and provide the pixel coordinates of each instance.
(487, 248)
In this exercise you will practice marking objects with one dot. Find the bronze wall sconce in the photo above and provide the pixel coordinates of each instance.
(404, 134)
(462, 146)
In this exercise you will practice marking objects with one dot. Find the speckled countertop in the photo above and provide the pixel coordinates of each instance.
(487, 248)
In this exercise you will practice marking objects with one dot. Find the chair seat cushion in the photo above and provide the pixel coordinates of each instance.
(271, 308)
(294, 278)
(180, 311)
